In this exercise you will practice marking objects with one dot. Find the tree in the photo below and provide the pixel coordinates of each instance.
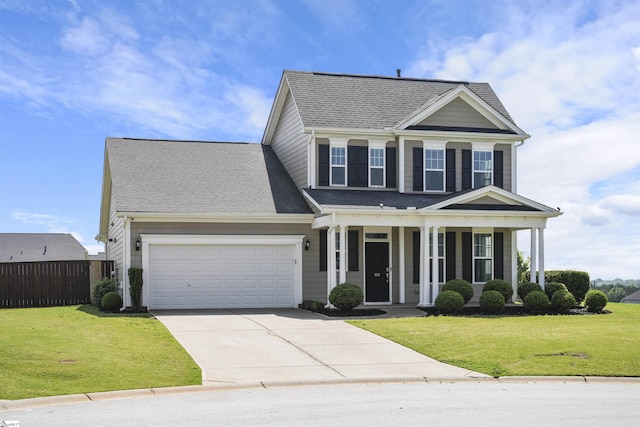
(523, 265)
(616, 294)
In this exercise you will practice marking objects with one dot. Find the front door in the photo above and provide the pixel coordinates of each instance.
(377, 271)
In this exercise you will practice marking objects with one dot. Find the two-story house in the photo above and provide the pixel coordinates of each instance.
(395, 184)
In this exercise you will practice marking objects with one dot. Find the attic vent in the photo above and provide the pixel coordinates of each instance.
(399, 72)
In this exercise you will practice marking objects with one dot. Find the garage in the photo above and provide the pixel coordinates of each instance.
(198, 272)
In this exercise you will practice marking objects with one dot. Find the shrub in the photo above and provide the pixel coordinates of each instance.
(111, 302)
(577, 282)
(460, 286)
(311, 305)
(501, 286)
(562, 301)
(595, 301)
(135, 287)
(553, 287)
(492, 302)
(525, 288)
(346, 296)
(448, 302)
(536, 302)
(100, 289)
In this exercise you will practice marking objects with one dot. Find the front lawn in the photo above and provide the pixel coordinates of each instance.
(69, 350)
(594, 345)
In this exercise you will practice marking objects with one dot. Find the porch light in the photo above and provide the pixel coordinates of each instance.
(138, 244)
(307, 243)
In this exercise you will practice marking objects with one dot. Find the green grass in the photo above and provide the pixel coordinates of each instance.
(597, 345)
(69, 350)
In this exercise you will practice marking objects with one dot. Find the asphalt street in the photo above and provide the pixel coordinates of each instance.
(481, 403)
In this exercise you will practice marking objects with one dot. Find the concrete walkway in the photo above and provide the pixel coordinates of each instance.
(253, 346)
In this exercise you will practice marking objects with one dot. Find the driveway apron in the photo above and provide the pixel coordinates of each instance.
(249, 346)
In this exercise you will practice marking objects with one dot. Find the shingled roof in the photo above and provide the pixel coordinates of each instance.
(31, 247)
(189, 177)
(371, 102)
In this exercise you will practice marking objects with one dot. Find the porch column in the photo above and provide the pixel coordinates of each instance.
(343, 254)
(401, 275)
(425, 297)
(331, 261)
(533, 254)
(514, 265)
(541, 257)
(435, 282)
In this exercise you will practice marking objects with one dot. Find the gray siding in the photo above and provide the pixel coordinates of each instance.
(506, 164)
(290, 143)
(115, 231)
(460, 114)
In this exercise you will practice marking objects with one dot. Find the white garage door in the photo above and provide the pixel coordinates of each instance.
(182, 276)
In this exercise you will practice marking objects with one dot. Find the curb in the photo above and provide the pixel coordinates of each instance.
(12, 405)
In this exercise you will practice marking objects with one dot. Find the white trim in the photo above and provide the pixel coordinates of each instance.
(223, 218)
(400, 171)
(126, 262)
(331, 166)
(216, 239)
(383, 168)
(455, 136)
(514, 264)
(401, 265)
(476, 231)
(443, 170)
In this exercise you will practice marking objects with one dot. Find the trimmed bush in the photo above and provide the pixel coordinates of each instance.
(311, 305)
(553, 287)
(460, 286)
(101, 288)
(595, 301)
(346, 296)
(111, 302)
(536, 302)
(492, 302)
(525, 288)
(562, 301)
(449, 302)
(135, 287)
(577, 282)
(501, 286)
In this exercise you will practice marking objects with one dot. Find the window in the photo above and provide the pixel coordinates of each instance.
(376, 167)
(352, 250)
(482, 168)
(338, 165)
(440, 256)
(433, 169)
(482, 257)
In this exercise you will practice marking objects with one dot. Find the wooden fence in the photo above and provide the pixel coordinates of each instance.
(48, 283)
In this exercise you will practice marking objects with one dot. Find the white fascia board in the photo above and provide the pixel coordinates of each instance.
(498, 138)
(351, 133)
(276, 110)
(219, 239)
(470, 98)
(311, 200)
(224, 218)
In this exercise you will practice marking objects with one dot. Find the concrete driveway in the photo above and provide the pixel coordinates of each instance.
(253, 346)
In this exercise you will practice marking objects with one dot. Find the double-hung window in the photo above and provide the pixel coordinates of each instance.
(338, 165)
(482, 168)
(482, 257)
(433, 169)
(376, 167)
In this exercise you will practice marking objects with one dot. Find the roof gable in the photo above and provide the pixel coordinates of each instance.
(344, 101)
(490, 198)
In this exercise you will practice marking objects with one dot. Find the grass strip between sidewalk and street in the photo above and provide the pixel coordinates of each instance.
(589, 345)
(79, 349)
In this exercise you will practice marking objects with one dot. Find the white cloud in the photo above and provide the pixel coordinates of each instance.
(86, 39)
(570, 78)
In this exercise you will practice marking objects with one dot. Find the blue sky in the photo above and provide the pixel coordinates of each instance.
(74, 72)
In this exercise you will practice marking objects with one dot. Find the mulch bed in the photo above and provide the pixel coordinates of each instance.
(510, 310)
(356, 312)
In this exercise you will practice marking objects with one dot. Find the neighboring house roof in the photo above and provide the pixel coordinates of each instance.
(327, 100)
(30, 247)
(633, 298)
(208, 178)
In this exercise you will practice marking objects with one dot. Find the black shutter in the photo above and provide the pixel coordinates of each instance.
(416, 257)
(466, 169)
(467, 257)
(323, 164)
(418, 169)
(498, 169)
(390, 163)
(451, 169)
(498, 256)
(450, 255)
(323, 249)
(358, 166)
(352, 253)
